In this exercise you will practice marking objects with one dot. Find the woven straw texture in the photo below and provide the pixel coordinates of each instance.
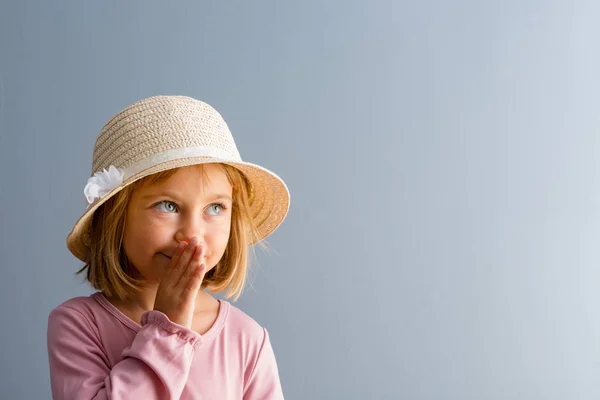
(164, 132)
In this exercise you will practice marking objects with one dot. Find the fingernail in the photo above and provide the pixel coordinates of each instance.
(193, 241)
(181, 245)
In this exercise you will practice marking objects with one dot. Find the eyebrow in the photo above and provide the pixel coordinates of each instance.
(216, 196)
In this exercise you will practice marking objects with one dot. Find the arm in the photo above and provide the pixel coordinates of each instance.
(264, 379)
(155, 366)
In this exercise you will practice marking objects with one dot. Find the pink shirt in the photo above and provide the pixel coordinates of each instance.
(96, 352)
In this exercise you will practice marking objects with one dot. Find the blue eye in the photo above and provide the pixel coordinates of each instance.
(170, 207)
(220, 208)
(173, 207)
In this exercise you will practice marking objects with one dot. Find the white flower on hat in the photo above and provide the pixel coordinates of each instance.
(102, 182)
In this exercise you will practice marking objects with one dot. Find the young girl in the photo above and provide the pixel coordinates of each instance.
(172, 211)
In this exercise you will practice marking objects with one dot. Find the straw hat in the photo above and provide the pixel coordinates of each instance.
(165, 132)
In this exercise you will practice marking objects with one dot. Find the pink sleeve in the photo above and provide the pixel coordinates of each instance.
(264, 379)
(155, 366)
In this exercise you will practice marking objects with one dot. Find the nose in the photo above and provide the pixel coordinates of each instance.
(191, 225)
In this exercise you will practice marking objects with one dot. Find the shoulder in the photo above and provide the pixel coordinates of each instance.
(76, 314)
(243, 327)
(260, 371)
(83, 305)
(239, 319)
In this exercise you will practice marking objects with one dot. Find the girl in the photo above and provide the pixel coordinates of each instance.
(172, 210)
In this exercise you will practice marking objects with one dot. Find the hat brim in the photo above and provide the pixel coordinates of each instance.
(269, 207)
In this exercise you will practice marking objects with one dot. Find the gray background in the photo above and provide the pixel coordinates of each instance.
(443, 160)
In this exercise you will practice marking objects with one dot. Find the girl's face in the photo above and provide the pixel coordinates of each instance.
(160, 216)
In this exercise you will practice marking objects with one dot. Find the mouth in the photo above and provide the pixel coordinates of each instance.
(163, 254)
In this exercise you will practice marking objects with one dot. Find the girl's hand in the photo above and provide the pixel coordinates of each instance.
(181, 282)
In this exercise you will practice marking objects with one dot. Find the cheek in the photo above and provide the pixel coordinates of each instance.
(219, 238)
(142, 236)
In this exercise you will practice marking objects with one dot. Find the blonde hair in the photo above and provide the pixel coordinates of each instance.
(109, 270)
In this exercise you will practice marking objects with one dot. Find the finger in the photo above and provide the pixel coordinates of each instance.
(194, 262)
(194, 283)
(179, 268)
(174, 263)
(178, 253)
